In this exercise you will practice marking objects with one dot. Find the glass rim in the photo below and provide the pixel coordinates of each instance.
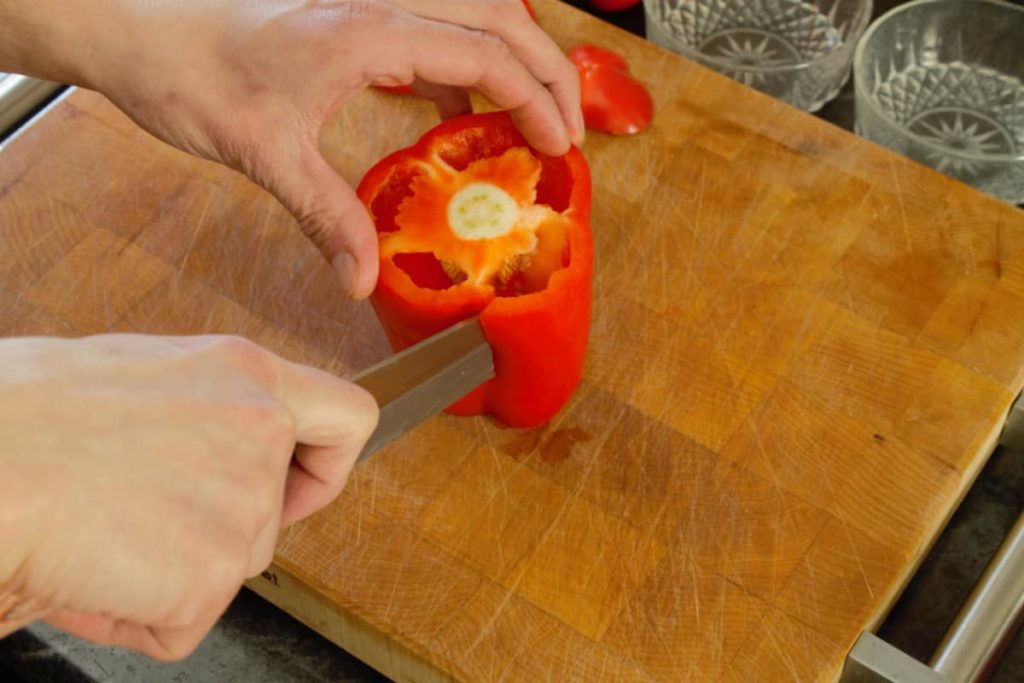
(846, 47)
(859, 66)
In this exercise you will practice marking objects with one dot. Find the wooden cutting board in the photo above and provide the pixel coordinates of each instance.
(802, 350)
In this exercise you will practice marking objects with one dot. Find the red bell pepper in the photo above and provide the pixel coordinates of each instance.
(473, 221)
(612, 100)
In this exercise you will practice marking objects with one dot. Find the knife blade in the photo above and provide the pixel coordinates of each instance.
(424, 379)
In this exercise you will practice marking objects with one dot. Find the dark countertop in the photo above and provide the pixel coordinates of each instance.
(255, 641)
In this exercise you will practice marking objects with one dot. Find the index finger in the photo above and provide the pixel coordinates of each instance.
(328, 411)
(333, 420)
(509, 20)
(447, 54)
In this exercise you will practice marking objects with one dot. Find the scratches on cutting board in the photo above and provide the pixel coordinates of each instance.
(714, 498)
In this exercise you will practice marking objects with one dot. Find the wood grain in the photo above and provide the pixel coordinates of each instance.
(802, 350)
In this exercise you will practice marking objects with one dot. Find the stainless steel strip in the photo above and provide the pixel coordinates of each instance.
(19, 95)
(872, 660)
(990, 617)
(1012, 436)
(975, 642)
(425, 379)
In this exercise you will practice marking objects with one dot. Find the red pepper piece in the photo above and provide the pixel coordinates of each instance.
(589, 56)
(613, 101)
(396, 89)
(473, 221)
(613, 5)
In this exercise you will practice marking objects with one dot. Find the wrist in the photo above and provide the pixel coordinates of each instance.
(53, 39)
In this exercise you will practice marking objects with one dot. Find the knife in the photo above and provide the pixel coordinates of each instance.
(425, 379)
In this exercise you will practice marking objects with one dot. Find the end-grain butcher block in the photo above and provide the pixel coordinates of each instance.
(802, 350)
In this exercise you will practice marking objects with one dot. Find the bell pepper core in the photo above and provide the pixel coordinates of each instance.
(473, 221)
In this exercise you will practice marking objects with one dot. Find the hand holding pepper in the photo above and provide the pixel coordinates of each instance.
(250, 84)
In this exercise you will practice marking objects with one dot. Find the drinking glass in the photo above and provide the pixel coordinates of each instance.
(942, 82)
(796, 50)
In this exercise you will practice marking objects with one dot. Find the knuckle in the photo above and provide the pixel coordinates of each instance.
(365, 11)
(274, 424)
(358, 18)
(279, 431)
(259, 503)
(496, 48)
(241, 142)
(318, 225)
(505, 12)
(264, 510)
(254, 360)
(267, 426)
(184, 615)
(178, 644)
(262, 560)
(175, 650)
(369, 414)
(571, 76)
(240, 349)
(226, 570)
(257, 480)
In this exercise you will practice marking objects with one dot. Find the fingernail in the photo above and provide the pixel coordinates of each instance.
(581, 130)
(347, 270)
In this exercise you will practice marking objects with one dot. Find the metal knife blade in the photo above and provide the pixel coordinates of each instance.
(425, 379)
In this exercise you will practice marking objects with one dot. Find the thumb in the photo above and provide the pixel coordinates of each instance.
(329, 213)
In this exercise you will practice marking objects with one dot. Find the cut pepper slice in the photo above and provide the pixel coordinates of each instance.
(473, 221)
(612, 100)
